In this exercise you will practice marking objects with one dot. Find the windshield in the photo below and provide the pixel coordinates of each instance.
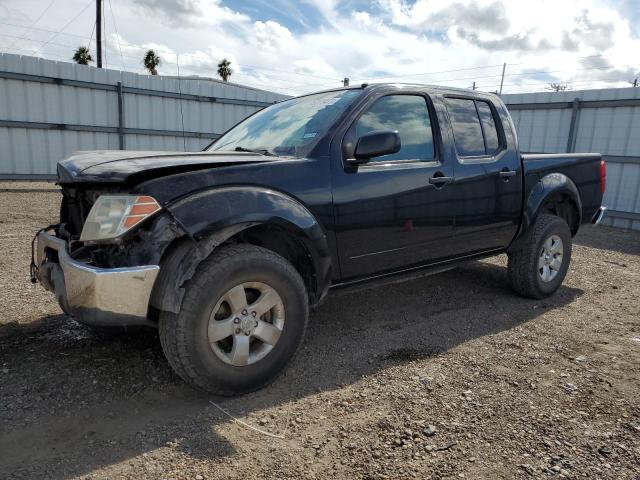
(290, 128)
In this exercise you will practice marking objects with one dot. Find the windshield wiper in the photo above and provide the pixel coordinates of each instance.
(261, 151)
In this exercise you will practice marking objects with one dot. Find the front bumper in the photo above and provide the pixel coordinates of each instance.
(92, 295)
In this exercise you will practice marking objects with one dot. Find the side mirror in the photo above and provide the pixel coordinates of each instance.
(375, 144)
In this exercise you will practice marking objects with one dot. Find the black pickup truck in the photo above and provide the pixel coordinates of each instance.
(226, 250)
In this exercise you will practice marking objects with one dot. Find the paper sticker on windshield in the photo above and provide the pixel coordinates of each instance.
(324, 102)
(310, 135)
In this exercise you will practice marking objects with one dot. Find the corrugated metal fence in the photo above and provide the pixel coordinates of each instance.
(50, 109)
(604, 121)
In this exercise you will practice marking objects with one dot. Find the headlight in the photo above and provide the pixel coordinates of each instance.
(113, 215)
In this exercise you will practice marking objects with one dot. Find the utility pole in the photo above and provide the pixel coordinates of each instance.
(99, 32)
(345, 82)
(504, 67)
(474, 86)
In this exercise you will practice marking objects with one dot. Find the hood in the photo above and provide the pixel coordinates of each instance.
(117, 166)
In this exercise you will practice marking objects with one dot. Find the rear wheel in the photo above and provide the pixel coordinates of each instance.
(538, 268)
(243, 317)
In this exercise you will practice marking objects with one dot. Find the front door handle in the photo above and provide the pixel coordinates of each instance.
(439, 180)
(507, 173)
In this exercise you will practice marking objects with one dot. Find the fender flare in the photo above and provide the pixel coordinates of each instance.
(211, 217)
(548, 186)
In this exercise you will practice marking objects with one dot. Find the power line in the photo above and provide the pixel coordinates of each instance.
(184, 140)
(459, 79)
(268, 83)
(28, 29)
(291, 85)
(288, 84)
(291, 72)
(67, 24)
(113, 18)
(336, 79)
(43, 29)
(192, 55)
(483, 67)
(91, 36)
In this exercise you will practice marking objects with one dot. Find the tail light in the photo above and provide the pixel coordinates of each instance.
(603, 175)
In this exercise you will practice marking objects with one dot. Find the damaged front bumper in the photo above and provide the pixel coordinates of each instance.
(92, 295)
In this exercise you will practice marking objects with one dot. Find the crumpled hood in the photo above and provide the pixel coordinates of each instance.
(120, 165)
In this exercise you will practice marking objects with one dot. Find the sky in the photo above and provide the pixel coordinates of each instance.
(296, 47)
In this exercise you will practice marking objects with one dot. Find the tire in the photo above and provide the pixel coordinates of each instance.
(526, 275)
(220, 366)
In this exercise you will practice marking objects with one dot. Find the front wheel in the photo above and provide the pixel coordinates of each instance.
(537, 269)
(243, 317)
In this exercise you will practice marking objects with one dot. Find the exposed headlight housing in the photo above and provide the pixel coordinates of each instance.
(113, 215)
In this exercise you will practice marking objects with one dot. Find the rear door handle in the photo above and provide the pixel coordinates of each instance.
(440, 180)
(508, 173)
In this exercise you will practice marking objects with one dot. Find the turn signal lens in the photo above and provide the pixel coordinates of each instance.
(113, 215)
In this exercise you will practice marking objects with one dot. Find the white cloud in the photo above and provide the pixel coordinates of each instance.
(363, 18)
(272, 36)
(190, 13)
(398, 41)
(314, 66)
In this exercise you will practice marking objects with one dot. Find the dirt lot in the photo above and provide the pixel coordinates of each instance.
(450, 376)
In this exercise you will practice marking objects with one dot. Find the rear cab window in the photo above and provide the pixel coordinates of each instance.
(475, 129)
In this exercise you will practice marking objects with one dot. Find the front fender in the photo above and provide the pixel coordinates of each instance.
(210, 211)
(212, 216)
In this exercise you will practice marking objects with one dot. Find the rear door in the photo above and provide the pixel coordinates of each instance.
(390, 213)
(488, 175)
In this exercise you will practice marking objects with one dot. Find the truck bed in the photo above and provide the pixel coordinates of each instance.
(582, 168)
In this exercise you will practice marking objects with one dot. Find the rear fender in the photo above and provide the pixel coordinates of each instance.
(549, 186)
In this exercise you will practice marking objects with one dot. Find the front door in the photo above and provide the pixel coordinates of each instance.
(393, 212)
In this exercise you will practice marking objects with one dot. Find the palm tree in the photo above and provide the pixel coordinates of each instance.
(151, 61)
(82, 56)
(224, 69)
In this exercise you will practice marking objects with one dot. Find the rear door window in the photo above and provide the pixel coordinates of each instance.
(489, 127)
(467, 132)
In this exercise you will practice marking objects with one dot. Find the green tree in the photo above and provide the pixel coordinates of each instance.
(224, 69)
(82, 56)
(151, 61)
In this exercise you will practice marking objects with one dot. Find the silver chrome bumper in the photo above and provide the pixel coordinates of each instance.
(96, 296)
(597, 218)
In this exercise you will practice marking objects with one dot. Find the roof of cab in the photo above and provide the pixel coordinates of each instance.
(435, 88)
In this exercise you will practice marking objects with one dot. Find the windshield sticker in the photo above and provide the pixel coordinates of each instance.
(323, 102)
(310, 135)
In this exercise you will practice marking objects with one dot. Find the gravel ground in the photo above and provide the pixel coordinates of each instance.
(450, 376)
